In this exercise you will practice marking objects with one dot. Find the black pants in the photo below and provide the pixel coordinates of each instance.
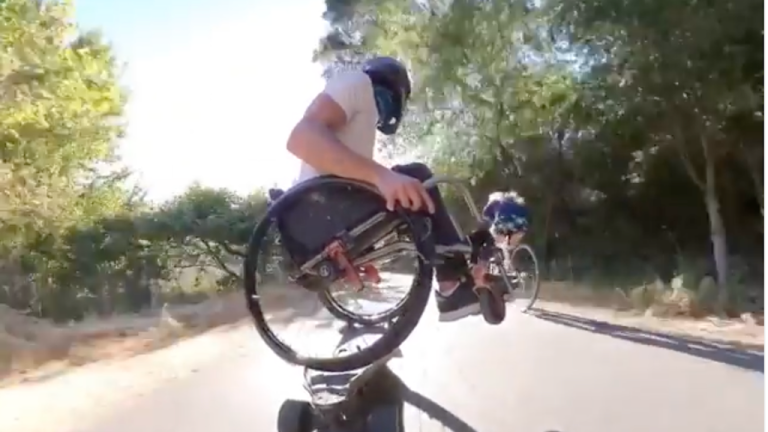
(451, 267)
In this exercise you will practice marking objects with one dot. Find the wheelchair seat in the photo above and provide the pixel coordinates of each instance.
(315, 212)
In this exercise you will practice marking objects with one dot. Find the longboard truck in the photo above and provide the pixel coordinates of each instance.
(362, 400)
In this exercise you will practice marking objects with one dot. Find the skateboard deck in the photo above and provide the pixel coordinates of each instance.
(365, 399)
(328, 388)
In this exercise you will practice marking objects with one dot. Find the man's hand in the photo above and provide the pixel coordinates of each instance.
(408, 191)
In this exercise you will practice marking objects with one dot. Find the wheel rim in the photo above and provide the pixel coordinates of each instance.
(526, 272)
(255, 294)
(497, 268)
(355, 315)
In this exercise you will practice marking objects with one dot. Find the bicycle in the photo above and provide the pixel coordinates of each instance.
(528, 280)
(358, 233)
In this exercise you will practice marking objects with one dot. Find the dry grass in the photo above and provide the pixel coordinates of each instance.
(673, 310)
(31, 348)
(652, 300)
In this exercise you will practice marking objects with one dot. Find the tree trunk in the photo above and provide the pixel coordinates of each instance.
(708, 186)
(719, 244)
(716, 225)
(757, 178)
(547, 258)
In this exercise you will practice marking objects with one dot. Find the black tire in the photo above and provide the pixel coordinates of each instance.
(492, 305)
(536, 285)
(295, 416)
(409, 313)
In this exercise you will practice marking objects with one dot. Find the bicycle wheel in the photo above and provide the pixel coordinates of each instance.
(497, 267)
(352, 233)
(525, 275)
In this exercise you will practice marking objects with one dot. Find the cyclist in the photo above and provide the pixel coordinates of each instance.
(508, 217)
(336, 135)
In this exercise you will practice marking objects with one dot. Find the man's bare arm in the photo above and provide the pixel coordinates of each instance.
(314, 142)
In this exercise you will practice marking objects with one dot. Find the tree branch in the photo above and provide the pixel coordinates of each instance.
(685, 157)
(215, 256)
(231, 250)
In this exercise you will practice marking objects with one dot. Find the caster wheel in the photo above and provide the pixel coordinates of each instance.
(295, 416)
(492, 305)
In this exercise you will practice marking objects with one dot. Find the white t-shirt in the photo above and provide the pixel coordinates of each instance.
(353, 91)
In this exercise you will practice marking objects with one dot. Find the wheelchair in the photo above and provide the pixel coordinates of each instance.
(332, 229)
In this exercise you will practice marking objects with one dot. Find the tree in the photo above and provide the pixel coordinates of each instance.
(623, 124)
(633, 130)
(685, 69)
(60, 103)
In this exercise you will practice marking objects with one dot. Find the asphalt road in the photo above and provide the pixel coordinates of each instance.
(545, 373)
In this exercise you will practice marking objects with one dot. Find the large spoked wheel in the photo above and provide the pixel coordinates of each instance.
(387, 251)
(523, 270)
(343, 313)
(323, 249)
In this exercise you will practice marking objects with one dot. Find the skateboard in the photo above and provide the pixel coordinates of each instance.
(362, 400)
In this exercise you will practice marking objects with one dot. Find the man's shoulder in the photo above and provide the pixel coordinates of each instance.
(350, 79)
(353, 91)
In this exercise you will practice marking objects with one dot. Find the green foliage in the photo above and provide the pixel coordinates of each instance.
(74, 238)
(633, 129)
(616, 120)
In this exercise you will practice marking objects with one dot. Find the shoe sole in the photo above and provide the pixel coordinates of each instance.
(455, 315)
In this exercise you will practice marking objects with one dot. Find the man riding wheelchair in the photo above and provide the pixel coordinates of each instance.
(336, 136)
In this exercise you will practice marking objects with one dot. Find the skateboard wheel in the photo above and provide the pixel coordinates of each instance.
(492, 306)
(294, 416)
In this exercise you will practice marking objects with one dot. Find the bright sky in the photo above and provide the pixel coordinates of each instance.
(214, 86)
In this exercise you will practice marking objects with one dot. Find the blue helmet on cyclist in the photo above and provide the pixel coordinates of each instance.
(391, 90)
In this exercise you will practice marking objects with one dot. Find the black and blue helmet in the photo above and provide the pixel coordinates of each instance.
(392, 89)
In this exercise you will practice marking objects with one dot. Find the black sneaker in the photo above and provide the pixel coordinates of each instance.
(459, 304)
